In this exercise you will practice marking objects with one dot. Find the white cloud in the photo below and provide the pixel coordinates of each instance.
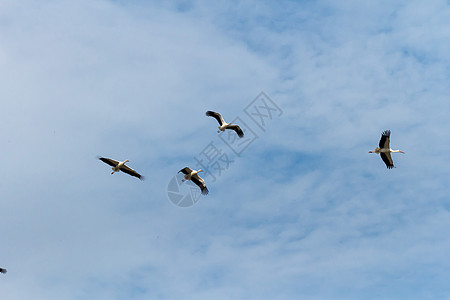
(306, 212)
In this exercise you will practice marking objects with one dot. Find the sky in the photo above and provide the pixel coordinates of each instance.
(303, 212)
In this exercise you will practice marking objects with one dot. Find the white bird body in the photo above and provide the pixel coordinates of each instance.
(193, 176)
(384, 150)
(223, 127)
(119, 166)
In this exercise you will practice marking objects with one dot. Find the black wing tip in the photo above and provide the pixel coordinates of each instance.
(141, 177)
(205, 191)
(386, 133)
(210, 113)
(3, 271)
(240, 134)
(182, 170)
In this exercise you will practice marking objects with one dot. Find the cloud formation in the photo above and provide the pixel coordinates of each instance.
(304, 213)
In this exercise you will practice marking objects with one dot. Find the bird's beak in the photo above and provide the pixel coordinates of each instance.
(402, 152)
(200, 170)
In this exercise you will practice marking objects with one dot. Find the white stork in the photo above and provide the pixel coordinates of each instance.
(224, 125)
(120, 166)
(2, 270)
(384, 149)
(193, 175)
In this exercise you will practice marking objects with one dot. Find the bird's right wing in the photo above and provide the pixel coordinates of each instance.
(386, 157)
(185, 170)
(109, 161)
(384, 141)
(217, 116)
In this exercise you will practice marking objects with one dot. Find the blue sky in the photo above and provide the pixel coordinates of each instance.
(305, 213)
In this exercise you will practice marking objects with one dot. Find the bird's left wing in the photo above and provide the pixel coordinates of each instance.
(386, 157)
(185, 170)
(109, 161)
(238, 130)
(217, 116)
(131, 172)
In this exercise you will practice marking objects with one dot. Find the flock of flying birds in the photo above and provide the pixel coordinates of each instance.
(189, 174)
(383, 149)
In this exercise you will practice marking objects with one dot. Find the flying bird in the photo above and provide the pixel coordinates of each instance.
(193, 175)
(384, 149)
(120, 166)
(3, 271)
(224, 125)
